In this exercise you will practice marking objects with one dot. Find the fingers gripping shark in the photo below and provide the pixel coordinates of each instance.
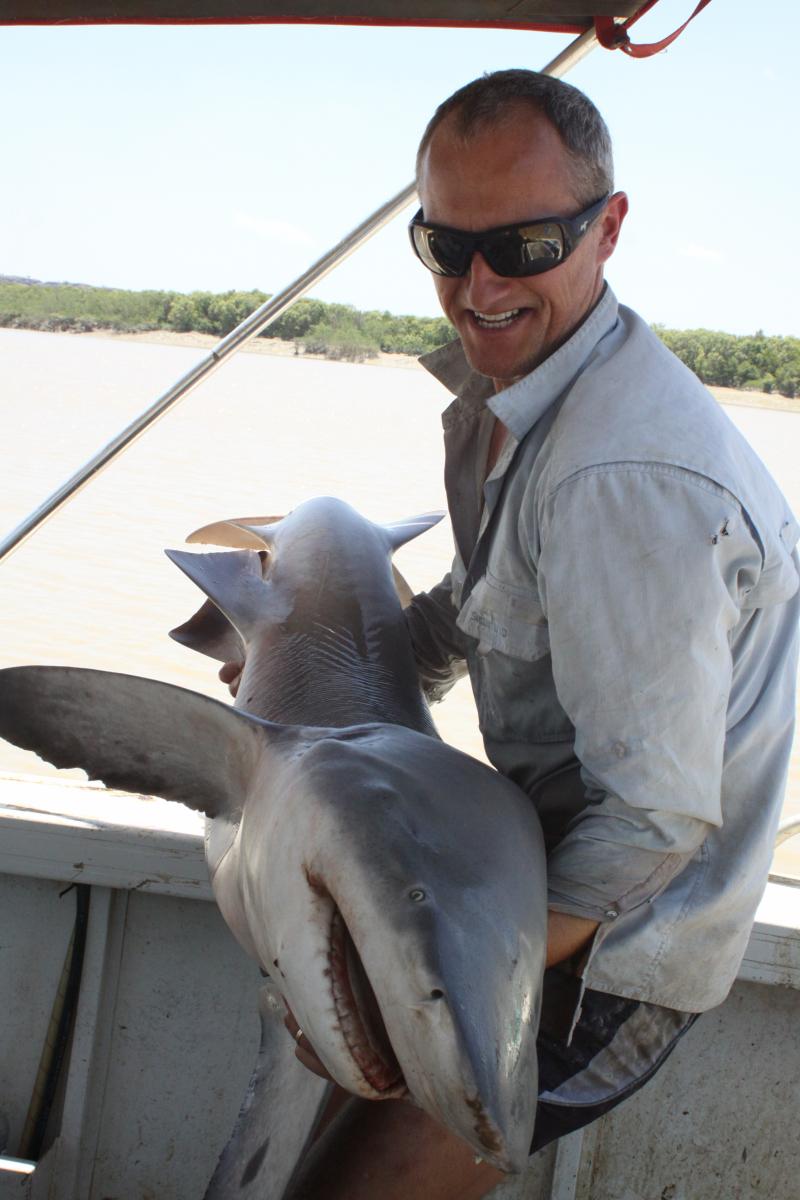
(392, 887)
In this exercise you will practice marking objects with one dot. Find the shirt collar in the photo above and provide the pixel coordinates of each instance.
(521, 405)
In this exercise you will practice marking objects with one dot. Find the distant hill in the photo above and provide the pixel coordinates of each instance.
(41, 282)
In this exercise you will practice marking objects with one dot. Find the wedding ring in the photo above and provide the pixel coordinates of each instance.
(298, 1035)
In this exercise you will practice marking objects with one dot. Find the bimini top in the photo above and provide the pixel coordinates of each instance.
(558, 16)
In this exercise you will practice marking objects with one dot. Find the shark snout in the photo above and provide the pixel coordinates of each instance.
(454, 1072)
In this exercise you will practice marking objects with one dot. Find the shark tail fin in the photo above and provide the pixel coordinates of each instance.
(239, 533)
(135, 734)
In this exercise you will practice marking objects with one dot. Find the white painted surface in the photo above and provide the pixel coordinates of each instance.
(567, 1166)
(83, 833)
(165, 1038)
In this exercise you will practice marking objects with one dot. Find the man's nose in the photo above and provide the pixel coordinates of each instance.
(483, 284)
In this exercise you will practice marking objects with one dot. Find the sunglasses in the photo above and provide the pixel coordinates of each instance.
(529, 248)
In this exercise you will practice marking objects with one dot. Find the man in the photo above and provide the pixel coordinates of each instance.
(624, 595)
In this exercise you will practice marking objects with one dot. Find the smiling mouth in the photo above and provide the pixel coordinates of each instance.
(495, 320)
(359, 1017)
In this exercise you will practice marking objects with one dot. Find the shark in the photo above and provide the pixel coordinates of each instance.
(391, 888)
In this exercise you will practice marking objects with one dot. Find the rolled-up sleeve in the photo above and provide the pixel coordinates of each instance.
(642, 569)
(437, 641)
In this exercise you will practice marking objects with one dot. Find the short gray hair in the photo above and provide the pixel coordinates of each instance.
(493, 98)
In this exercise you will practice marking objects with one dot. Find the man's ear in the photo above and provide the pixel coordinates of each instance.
(610, 224)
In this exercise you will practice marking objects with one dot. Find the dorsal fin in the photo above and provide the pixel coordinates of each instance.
(138, 735)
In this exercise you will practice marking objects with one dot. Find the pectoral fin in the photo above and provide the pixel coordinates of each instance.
(136, 734)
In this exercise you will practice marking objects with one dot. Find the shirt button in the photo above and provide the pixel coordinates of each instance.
(612, 913)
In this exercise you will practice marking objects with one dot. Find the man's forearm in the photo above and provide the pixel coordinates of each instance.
(436, 640)
(566, 935)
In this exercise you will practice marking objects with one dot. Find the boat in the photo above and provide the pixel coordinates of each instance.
(129, 1022)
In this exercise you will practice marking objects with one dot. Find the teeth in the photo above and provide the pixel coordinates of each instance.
(496, 319)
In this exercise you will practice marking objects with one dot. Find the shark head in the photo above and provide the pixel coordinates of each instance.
(405, 925)
(312, 604)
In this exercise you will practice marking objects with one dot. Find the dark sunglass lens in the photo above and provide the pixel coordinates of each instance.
(529, 250)
(449, 251)
(421, 239)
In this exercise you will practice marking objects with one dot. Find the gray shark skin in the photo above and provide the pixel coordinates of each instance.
(313, 601)
(392, 887)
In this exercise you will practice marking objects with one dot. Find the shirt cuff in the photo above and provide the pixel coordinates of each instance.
(436, 640)
(603, 880)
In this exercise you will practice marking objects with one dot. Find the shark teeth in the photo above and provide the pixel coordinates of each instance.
(359, 1017)
(495, 320)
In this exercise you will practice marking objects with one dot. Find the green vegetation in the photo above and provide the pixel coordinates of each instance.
(755, 363)
(343, 342)
(66, 306)
(335, 330)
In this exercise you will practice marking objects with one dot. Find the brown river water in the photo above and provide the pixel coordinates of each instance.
(93, 587)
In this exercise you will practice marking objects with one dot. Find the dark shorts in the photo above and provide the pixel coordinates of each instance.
(616, 1046)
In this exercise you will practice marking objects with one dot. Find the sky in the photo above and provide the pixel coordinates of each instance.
(217, 157)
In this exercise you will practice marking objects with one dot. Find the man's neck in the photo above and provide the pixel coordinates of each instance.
(501, 384)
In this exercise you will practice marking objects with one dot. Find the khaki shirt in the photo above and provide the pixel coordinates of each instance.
(624, 594)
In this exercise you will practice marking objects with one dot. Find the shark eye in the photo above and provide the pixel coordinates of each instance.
(417, 895)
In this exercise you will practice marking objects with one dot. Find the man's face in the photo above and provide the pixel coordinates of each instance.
(502, 175)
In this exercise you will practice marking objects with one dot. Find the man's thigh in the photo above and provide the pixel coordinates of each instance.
(615, 1047)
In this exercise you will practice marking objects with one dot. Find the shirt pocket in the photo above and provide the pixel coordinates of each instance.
(510, 664)
(507, 618)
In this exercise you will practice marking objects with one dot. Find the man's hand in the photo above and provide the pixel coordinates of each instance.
(231, 673)
(566, 935)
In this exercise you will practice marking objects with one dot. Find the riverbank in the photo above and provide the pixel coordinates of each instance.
(258, 345)
(276, 346)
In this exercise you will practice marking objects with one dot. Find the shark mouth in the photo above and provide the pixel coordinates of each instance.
(359, 1016)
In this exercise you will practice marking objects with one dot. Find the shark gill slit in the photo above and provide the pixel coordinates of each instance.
(311, 679)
